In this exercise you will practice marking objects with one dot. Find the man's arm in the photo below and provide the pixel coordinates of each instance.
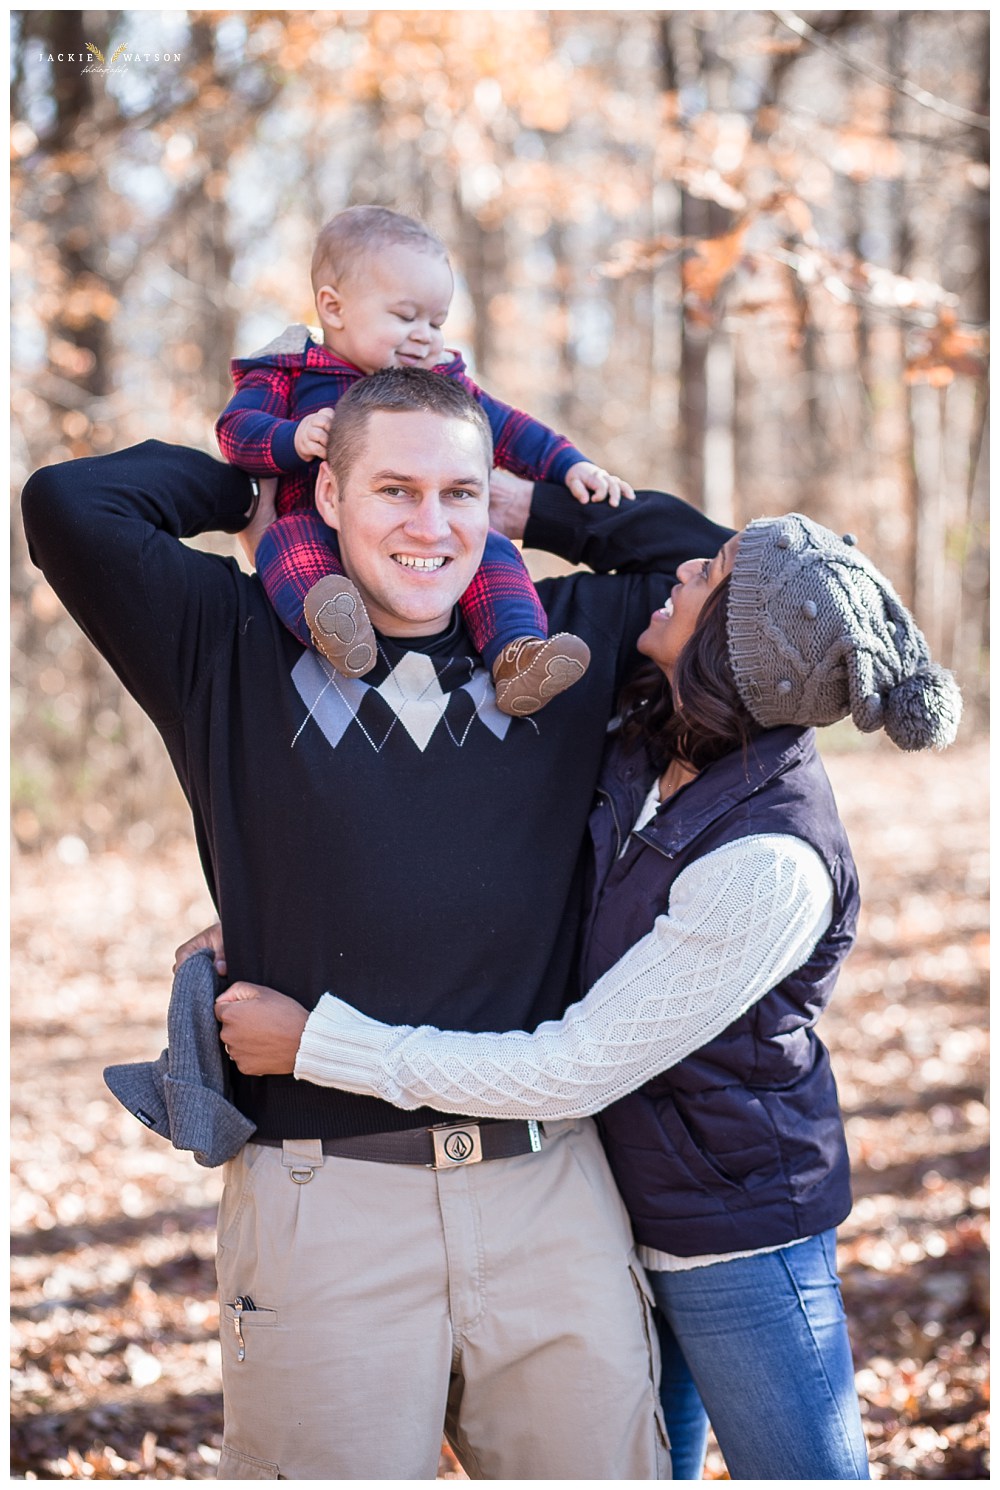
(654, 533)
(105, 532)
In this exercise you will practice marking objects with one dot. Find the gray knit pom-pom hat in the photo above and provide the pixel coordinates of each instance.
(816, 633)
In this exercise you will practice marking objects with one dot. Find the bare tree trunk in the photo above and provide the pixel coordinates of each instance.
(683, 60)
(910, 560)
(720, 405)
(972, 620)
(198, 244)
(665, 341)
(483, 255)
(79, 340)
(79, 343)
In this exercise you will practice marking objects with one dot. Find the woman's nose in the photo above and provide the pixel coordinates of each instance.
(687, 569)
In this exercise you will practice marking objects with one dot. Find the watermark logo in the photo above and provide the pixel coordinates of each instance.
(92, 60)
(96, 52)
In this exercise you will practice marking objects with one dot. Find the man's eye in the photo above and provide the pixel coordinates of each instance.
(464, 494)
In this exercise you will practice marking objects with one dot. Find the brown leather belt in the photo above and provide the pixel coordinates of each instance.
(448, 1146)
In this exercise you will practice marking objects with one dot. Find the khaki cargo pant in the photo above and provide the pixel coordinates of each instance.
(500, 1302)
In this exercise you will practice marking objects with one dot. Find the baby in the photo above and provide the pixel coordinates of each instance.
(383, 287)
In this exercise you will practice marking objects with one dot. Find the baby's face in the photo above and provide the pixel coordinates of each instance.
(389, 311)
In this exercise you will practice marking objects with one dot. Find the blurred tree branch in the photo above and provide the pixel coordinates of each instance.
(879, 75)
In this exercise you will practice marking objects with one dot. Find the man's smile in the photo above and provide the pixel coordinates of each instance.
(410, 561)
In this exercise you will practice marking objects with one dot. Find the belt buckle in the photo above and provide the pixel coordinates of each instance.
(456, 1145)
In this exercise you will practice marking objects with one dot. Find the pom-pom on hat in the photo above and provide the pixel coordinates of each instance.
(816, 633)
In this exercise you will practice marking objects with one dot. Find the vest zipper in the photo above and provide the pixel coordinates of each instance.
(614, 818)
(667, 853)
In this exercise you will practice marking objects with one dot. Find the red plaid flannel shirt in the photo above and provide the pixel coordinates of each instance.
(295, 376)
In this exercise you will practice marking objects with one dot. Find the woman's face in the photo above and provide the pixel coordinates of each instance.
(673, 624)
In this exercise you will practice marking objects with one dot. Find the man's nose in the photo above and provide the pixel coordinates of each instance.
(427, 520)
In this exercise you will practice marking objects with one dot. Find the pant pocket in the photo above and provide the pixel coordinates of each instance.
(253, 1401)
(244, 1333)
(234, 1465)
(238, 1181)
(646, 1305)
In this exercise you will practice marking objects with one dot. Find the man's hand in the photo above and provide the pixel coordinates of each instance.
(590, 483)
(211, 938)
(510, 503)
(263, 517)
(312, 435)
(261, 1028)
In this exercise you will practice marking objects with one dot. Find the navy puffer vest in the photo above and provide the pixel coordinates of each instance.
(740, 1145)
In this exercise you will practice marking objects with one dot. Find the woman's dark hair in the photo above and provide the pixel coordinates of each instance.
(702, 718)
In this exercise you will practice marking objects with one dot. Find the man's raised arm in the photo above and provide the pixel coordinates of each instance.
(654, 533)
(105, 530)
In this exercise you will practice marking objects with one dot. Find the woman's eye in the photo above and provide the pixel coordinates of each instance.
(705, 567)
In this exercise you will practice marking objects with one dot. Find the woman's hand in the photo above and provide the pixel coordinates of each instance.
(261, 1028)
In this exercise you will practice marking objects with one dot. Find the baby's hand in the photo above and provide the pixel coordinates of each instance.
(590, 483)
(312, 435)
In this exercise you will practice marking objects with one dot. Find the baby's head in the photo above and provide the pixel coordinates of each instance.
(383, 287)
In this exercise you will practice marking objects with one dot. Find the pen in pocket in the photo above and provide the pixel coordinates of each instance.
(242, 1302)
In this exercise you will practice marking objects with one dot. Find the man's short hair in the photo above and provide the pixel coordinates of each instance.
(398, 390)
(346, 238)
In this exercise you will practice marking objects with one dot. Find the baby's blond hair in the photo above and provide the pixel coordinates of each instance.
(356, 231)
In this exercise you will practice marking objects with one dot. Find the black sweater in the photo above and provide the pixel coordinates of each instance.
(423, 860)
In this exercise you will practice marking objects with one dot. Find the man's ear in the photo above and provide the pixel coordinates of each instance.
(326, 495)
(330, 307)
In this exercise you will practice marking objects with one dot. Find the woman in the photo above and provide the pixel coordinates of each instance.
(724, 901)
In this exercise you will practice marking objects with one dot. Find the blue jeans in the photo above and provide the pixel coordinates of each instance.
(759, 1347)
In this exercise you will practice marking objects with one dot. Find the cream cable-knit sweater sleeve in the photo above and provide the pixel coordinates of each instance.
(740, 919)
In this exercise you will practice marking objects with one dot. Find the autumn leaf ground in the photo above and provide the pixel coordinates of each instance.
(116, 1364)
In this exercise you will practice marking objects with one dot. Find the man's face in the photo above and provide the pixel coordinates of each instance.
(411, 517)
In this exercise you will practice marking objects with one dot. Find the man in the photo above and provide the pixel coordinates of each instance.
(400, 841)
